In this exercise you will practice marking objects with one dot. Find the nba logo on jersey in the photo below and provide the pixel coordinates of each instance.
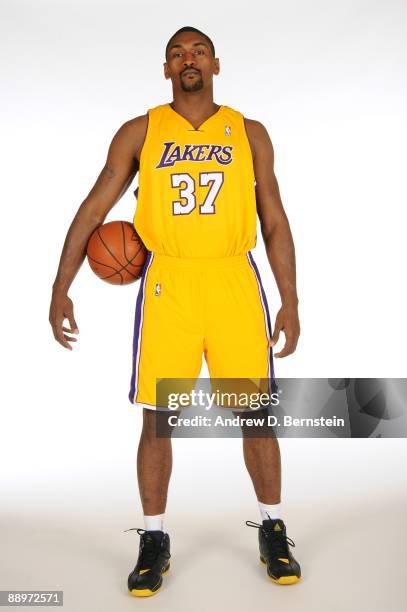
(157, 289)
(227, 130)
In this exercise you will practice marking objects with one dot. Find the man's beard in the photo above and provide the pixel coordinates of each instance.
(195, 86)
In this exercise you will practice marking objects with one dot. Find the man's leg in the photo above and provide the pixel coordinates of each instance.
(167, 344)
(263, 462)
(262, 457)
(154, 465)
(237, 336)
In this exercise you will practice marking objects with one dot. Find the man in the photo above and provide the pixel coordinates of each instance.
(203, 171)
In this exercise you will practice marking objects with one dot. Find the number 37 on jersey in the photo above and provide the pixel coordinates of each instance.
(187, 190)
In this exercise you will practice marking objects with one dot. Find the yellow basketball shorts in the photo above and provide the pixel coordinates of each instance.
(187, 308)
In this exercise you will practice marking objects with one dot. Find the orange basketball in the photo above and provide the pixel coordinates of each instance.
(116, 253)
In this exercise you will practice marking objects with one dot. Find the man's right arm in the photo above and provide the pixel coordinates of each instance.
(113, 181)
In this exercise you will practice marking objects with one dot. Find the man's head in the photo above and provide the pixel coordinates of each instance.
(190, 59)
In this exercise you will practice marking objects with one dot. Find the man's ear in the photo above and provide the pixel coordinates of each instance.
(166, 71)
(217, 66)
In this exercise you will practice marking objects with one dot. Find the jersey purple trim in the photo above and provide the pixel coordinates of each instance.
(274, 387)
(138, 324)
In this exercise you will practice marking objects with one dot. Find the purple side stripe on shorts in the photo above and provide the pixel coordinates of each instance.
(269, 331)
(138, 321)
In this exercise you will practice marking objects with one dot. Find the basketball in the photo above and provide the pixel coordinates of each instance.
(116, 253)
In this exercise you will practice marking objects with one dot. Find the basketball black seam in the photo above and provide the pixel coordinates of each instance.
(107, 266)
(116, 271)
(108, 250)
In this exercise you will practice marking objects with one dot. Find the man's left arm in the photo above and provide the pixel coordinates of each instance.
(276, 234)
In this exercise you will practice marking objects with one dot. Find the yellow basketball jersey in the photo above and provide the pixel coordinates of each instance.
(196, 186)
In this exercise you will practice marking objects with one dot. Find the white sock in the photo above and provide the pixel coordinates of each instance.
(269, 511)
(154, 522)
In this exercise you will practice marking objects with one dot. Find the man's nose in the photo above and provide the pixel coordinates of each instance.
(189, 58)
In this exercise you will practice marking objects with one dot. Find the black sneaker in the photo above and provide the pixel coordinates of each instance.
(152, 563)
(274, 552)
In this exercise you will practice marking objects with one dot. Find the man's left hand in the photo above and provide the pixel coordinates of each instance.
(287, 321)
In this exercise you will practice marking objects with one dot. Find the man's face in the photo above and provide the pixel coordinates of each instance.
(190, 64)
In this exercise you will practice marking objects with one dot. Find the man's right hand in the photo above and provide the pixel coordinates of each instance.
(62, 308)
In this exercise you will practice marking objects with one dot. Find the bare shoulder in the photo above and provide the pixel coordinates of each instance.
(258, 135)
(131, 134)
(137, 123)
(256, 130)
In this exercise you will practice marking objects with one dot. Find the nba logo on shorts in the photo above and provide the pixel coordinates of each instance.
(157, 289)
(227, 130)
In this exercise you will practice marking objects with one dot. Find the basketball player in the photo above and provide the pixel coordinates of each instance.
(203, 169)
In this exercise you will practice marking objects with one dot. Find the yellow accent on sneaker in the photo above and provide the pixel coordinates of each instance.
(147, 592)
(285, 579)
(143, 571)
(143, 592)
(284, 560)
